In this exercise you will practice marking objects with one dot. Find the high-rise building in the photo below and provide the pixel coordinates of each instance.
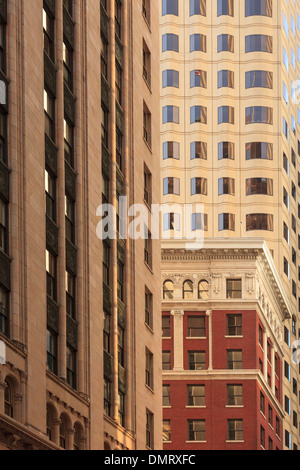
(230, 143)
(80, 320)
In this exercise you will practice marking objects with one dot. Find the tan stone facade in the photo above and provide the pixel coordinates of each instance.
(73, 318)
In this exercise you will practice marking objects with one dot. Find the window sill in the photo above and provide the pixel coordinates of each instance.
(148, 145)
(149, 267)
(234, 442)
(147, 84)
(234, 406)
(195, 442)
(149, 388)
(195, 337)
(195, 407)
(234, 336)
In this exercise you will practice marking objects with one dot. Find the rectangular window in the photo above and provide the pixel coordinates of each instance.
(196, 360)
(234, 325)
(71, 366)
(235, 429)
(166, 326)
(234, 395)
(166, 360)
(196, 395)
(234, 288)
(149, 429)
(52, 351)
(234, 359)
(196, 430)
(166, 430)
(148, 308)
(4, 312)
(166, 395)
(51, 275)
(149, 369)
(196, 327)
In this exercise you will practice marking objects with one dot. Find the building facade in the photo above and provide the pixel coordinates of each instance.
(230, 138)
(72, 302)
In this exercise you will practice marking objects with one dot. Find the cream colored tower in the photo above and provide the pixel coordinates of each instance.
(229, 73)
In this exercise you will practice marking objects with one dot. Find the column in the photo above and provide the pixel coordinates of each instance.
(178, 339)
(209, 314)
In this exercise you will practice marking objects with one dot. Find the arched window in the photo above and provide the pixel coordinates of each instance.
(51, 414)
(9, 399)
(62, 432)
(203, 290)
(168, 290)
(188, 289)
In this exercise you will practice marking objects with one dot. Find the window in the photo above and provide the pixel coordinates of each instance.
(196, 360)
(188, 290)
(262, 150)
(3, 138)
(225, 115)
(166, 430)
(171, 186)
(170, 42)
(259, 79)
(198, 7)
(52, 351)
(198, 43)
(106, 263)
(146, 64)
(199, 222)
(170, 78)
(70, 219)
(166, 360)
(118, 83)
(171, 222)
(104, 57)
(196, 327)
(170, 7)
(104, 125)
(68, 6)
(48, 30)
(68, 143)
(119, 149)
(106, 332)
(234, 325)
(148, 308)
(149, 429)
(68, 65)
(262, 403)
(226, 222)
(170, 114)
(121, 346)
(51, 275)
(225, 7)
(196, 430)
(149, 369)
(50, 189)
(147, 186)
(118, 18)
(166, 326)
(70, 295)
(171, 150)
(235, 429)
(258, 43)
(199, 186)
(8, 399)
(259, 114)
(203, 290)
(225, 43)
(262, 436)
(49, 105)
(3, 46)
(226, 186)
(198, 78)
(107, 397)
(226, 150)
(198, 114)
(3, 226)
(270, 415)
(166, 395)
(259, 222)
(146, 10)
(121, 408)
(196, 395)
(234, 395)
(259, 186)
(168, 290)
(71, 366)
(234, 359)
(147, 125)
(148, 248)
(199, 150)
(225, 79)
(4, 318)
(120, 280)
(258, 7)
(234, 288)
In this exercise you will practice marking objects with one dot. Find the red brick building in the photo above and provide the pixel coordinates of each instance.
(222, 348)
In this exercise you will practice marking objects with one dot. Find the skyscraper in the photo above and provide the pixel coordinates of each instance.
(230, 142)
(80, 315)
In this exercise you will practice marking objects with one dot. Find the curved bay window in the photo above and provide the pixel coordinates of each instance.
(262, 186)
(258, 8)
(188, 290)
(261, 150)
(259, 222)
(259, 115)
(168, 290)
(203, 290)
